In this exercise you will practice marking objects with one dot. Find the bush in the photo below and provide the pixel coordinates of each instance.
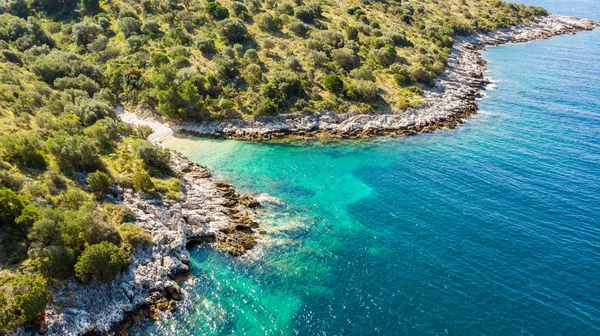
(206, 46)
(100, 262)
(21, 299)
(333, 83)
(422, 75)
(59, 64)
(99, 44)
(267, 22)
(363, 73)
(74, 152)
(292, 63)
(88, 6)
(158, 59)
(361, 90)
(385, 56)
(151, 28)
(142, 181)
(11, 206)
(85, 32)
(81, 82)
(253, 74)
(134, 42)
(234, 30)
(239, 10)
(99, 183)
(23, 149)
(305, 14)
(299, 28)
(345, 58)
(251, 55)
(156, 159)
(217, 11)
(130, 26)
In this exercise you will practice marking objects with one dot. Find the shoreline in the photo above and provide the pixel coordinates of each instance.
(211, 212)
(446, 105)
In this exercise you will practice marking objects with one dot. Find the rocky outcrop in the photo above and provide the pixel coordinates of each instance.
(445, 106)
(211, 211)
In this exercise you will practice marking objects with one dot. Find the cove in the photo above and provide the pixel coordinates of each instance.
(490, 228)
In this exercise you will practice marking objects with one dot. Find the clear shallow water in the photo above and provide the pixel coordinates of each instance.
(492, 228)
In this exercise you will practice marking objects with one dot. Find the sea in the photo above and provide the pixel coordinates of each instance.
(492, 228)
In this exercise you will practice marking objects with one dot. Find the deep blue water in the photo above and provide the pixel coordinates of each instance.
(492, 228)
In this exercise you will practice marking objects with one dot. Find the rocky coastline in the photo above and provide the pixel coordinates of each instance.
(211, 212)
(214, 212)
(446, 105)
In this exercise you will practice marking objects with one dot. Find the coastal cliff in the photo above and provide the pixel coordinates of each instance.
(446, 104)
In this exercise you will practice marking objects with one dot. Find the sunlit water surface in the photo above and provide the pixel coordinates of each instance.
(492, 228)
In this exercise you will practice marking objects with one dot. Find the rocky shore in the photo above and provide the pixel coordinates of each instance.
(446, 105)
(211, 211)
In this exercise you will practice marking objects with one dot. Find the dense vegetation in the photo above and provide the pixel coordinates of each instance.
(65, 64)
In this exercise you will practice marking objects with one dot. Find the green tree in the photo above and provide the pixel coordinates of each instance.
(11, 206)
(333, 83)
(99, 183)
(21, 299)
(100, 262)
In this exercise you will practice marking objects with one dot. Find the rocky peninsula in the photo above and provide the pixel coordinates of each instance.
(450, 101)
(211, 212)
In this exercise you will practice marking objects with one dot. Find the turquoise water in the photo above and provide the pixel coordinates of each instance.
(492, 228)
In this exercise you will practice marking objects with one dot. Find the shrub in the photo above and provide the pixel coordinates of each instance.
(239, 10)
(345, 58)
(81, 82)
(129, 26)
(23, 149)
(422, 75)
(156, 159)
(88, 6)
(21, 299)
(158, 59)
(251, 55)
(217, 11)
(234, 30)
(299, 28)
(253, 74)
(99, 44)
(59, 64)
(398, 37)
(206, 46)
(134, 235)
(267, 22)
(11, 206)
(351, 33)
(142, 181)
(363, 73)
(134, 42)
(85, 32)
(362, 91)
(99, 183)
(385, 56)
(305, 14)
(100, 262)
(292, 63)
(333, 83)
(151, 27)
(74, 152)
